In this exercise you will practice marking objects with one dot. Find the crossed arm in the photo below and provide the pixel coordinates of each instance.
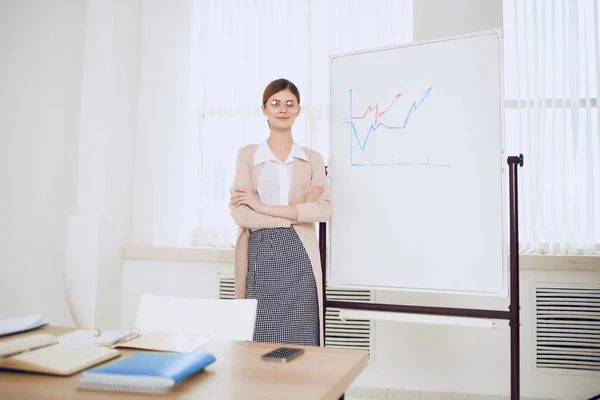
(249, 212)
(245, 197)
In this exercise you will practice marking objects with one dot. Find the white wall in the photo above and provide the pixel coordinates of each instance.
(42, 49)
(97, 120)
(438, 18)
(168, 278)
(68, 120)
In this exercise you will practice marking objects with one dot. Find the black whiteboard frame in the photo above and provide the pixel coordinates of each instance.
(512, 315)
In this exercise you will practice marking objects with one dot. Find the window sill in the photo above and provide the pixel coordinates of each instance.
(226, 255)
(560, 263)
(199, 254)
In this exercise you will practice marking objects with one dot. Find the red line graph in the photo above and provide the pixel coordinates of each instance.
(375, 108)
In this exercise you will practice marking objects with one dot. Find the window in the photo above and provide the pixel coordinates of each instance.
(251, 43)
(552, 77)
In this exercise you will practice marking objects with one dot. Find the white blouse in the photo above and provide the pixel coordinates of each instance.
(273, 186)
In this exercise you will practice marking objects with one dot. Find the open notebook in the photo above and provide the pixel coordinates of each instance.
(99, 337)
(168, 342)
(43, 353)
(157, 341)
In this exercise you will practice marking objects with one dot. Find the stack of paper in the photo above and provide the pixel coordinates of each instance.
(10, 326)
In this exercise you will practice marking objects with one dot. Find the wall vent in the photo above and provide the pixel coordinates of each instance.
(226, 286)
(347, 334)
(567, 327)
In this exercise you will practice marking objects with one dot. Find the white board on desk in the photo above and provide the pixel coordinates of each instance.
(417, 167)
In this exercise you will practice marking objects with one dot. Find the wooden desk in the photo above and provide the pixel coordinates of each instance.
(238, 373)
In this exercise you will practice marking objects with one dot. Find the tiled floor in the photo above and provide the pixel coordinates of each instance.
(357, 393)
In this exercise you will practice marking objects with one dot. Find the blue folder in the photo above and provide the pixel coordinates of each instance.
(154, 373)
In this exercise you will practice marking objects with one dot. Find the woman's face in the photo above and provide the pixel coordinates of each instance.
(282, 109)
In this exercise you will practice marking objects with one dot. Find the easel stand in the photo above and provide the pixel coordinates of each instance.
(512, 315)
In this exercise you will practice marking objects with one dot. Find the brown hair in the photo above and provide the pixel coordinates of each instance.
(277, 86)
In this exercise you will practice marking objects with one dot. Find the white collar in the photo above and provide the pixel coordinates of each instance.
(264, 153)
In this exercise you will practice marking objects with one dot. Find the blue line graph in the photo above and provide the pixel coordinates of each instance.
(376, 125)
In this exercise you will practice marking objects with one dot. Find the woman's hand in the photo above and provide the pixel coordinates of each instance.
(245, 197)
(315, 193)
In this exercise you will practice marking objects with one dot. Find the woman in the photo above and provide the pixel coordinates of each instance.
(280, 191)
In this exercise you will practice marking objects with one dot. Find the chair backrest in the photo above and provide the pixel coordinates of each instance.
(223, 319)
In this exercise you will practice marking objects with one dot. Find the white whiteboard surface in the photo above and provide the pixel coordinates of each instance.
(417, 167)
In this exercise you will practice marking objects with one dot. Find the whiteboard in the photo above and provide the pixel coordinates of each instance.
(417, 167)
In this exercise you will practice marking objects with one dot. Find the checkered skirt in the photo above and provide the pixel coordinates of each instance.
(281, 278)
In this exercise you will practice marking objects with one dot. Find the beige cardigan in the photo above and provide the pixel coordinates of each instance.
(306, 174)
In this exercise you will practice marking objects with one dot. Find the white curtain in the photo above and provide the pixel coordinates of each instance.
(250, 43)
(552, 72)
(165, 168)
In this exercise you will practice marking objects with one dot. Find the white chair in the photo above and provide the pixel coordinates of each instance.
(222, 319)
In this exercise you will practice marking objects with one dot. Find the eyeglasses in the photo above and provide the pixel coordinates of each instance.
(274, 106)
